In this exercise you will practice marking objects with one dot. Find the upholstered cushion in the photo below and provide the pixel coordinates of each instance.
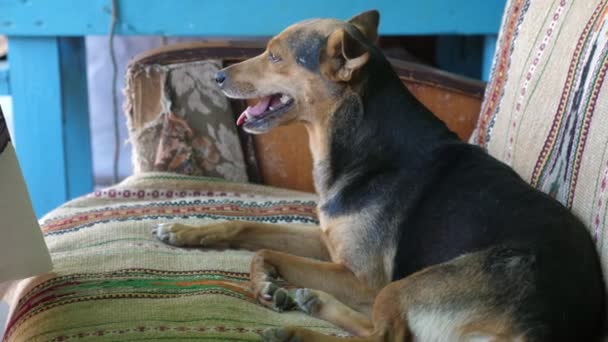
(115, 281)
(180, 122)
(545, 111)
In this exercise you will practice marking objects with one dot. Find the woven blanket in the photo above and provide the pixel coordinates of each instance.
(114, 281)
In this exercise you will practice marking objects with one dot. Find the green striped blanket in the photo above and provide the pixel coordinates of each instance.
(114, 281)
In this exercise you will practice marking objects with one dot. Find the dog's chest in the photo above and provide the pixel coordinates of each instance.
(352, 242)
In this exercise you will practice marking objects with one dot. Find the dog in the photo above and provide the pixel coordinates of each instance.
(421, 237)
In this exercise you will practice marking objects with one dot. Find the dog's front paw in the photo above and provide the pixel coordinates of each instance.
(219, 235)
(307, 300)
(264, 280)
(274, 297)
(279, 335)
(169, 233)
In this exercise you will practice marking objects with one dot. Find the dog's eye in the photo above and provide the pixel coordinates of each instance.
(273, 58)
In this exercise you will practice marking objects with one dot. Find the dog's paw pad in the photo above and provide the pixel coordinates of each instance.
(278, 335)
(275, 297)
(164, 232)
(307, 300)
(281, 300)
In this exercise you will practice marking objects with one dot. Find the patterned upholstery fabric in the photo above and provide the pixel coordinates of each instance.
(544, 114)
(114, 281)
(545, 111)
(180, 122)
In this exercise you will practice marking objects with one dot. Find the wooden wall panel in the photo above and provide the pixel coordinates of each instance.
(284, 158)
(458, 111)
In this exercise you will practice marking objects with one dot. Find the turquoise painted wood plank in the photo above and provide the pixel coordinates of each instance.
(241, 17)
(77, 135)
(5, 89)
(489, 49)
(460, 54)
(46, 118)
(38, 122)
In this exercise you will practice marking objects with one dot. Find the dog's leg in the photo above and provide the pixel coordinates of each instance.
(332, 278)
(388, 325)
(297, 334)
(324, 306)
(472, 297)
(302, 240)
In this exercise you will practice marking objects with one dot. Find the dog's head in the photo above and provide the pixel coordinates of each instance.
(304, 72)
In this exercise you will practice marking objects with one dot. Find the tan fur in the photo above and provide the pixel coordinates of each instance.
(308, 273)
(423, 295)
(300, 334)
(498, 327)
(341, 233)
(327, 307)
(312, 102)
(299, 240)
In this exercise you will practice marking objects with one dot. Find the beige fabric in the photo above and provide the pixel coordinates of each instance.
(115, 281)
(180, 122)
(545, 110)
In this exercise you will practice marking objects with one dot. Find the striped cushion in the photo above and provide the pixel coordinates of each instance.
(114, 281)
(545, 111)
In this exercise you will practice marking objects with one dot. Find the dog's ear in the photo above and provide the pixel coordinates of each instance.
(367, 22)
(346, 55)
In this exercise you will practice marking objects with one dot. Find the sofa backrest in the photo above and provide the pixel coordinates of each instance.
(546, 106)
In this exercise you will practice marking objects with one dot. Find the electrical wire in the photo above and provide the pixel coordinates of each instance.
(116, 158)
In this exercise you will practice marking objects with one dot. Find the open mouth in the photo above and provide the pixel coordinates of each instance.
(272, 105)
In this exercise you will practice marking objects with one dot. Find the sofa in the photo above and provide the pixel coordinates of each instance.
(543, 112)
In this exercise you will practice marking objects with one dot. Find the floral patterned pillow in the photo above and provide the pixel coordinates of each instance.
(180, 122)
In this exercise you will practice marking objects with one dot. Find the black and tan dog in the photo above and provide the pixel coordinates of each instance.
(422, 237)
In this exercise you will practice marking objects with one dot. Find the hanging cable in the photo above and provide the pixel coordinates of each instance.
(116, 159)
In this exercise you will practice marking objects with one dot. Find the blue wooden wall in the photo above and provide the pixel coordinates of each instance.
(47, 76)
(4, 85)
(241, 17)
(48, 87)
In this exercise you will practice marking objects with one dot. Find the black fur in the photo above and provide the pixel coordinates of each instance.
(452, 198)
(306, 46)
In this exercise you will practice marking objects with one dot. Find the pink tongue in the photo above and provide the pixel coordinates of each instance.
(260, 107)
(256, 110)
(242, 118)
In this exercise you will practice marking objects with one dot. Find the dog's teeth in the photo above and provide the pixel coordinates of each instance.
(284, 98)
(270, 108)
(249, 116)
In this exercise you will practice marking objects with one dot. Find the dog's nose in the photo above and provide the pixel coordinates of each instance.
(220, 77)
